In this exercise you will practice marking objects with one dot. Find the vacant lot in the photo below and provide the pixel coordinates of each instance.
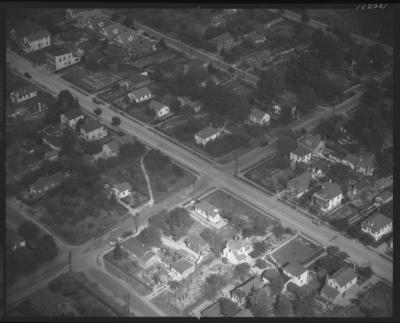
(298, 249)
(272, 174)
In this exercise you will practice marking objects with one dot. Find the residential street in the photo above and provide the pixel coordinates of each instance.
(287, 215)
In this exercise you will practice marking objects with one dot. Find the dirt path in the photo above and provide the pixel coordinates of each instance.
(151, 201)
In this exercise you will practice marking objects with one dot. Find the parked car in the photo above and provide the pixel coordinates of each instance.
(127, 234)
(97, 101)
(113, 242)
(26, 74)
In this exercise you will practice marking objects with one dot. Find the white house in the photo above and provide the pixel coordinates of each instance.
(159, 108)
(71, 118)
(297, 273)
(258, 116)
(36, 40)
(300, 155)
(93, 130)
(343, 279)
(207, 211)
(237, 251)
(361, 164)
(59, 58)
(139, 95)
(328, 198)
(377, 226)
(23, 94)
(122, 190)
(205, 135)
(181, 269)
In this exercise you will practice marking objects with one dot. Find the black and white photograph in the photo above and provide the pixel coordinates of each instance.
(199, 161)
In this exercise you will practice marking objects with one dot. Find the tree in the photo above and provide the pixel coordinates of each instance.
(259, 248)
(66, 101)
(271, 84)
(118, 254)
(261, 263)
(68, 140)
(286, 115)
(384, 160)
(378, 56)
(213, 285)
(285, 144)
(332, 250)
(28, 230)
(283, 306)
(306, 99)
(261, 302)
(373, 93)
(175, 106)
(305, 17)
(128, 22)
(339, 173)
(228, 308)
(278, 230)
(241, 270)
(98, 111)
(115, 121)
(46, 248)
(214, 240)
(131, 150)
(150, 236)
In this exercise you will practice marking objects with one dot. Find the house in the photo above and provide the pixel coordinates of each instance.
(207, 211)
(240, 293)
(51, 155)
(110, 30)
(139, 95)
(141, 47)
(259, 117)
(126, 38)
(384, 197)
(274, 22)
(218, 21)
(258, 59)
(59, 57)
(159, 108)
(122, 190)
(93, 130)
(214, 310)
(181, 269)
(382, 183)
(96, 23)
(320, 167)
(256, 38)
(300, 155)
(14, 240)
(135, 81)
(340, 282)
(45, 184)
(35, 40)
(72, 14)
(23, 94)
(360, 164)
(71, 118)
(111, 149)
(139, 252)
(30, 108)
(196, 105)
(198, 245)
(333, 156)
(224, 41)
(286, 100)
(206, 135)
(328, 198)
(243, 313)
(297, 273)
(237, 251)
(300, 184)
(377, 226)
(313, 143)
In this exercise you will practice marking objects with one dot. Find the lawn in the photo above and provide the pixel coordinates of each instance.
(272, 174)
(113, 94)
(164, 302)
(298, 249)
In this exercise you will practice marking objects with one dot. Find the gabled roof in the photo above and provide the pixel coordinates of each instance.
(353, 159)
(329, 292)
(208, 208)
(73, 114)
(259, 114)
(344, 275)
(141, 92)
(366, 162)
(206, 132)
(301, 151)
(182, 265)
(245, 289)
(385, 195)
(222, 38)
(254, 36)
(156, 105)
(113, 145)
(37, 35)
(22, 91)
(300, 182)
(42, 182)
(110, 28)
(58, 50)
(295, 269)
(196, 243)
(329, 191)
(121, 187)
(128, 37)
(91, 125)
(213, 310)
(244, 313)
(134, 246)
(376, 222)
(309, 141)
(238, 244)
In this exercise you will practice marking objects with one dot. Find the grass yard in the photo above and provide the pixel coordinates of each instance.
(113, 94)
(298, 249)
(164, 302)
(271, 174)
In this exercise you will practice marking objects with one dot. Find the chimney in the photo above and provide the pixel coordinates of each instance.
(326, 278)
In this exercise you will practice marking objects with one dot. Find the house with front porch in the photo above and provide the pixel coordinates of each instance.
(160, 109)
(122, 190)
(207, 211)
(258, 116)
(340, 282)
(93, 130)
(237, 251)
(377, 226)
(328, 198)
(300, 184)
(206, 135)
(139, 95)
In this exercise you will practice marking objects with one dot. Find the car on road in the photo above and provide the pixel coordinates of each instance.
(113, 242)
(97, 101)
(127, 234)
(26, 74)
(316, 222)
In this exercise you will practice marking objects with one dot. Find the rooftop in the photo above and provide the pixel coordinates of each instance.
(258, 113)
(73, 114)
(309, 141)
(295, 269)
(182, 265)
(58, 51)
(344, 275)
(329, 191)
(244, 313)
(208, 208)
(42, 182)
(329, 292)
(91, 125)
(222, 38)
(134, 246)
(141, 92)
(301, 151)
(123, 186)
(24, 90)
(253, 283)
(207, 132)
(301, 181)
(38, 35)
(113, 145)
(155, 105)
(376, 222)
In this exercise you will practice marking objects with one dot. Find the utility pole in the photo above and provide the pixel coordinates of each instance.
(70, 260)
(193, 189)
(236, 165)
(127, 304)
(137, 221)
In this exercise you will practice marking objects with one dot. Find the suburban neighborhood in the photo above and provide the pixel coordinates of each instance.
(194, 162)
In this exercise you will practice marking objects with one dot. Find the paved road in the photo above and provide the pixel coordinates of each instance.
(287, 215)
(182, 47)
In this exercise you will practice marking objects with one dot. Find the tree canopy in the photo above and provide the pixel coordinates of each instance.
(261, 302)
(28, 230)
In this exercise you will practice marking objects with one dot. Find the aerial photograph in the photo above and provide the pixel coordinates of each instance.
(199, 161)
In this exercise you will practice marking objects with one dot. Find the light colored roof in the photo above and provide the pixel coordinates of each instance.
(182, 265)
(207, 132)
(113, 145)
(141, 92)
(258, 113)
(376, 222)
(295, 269)
(208, 208)
(238, 244)
(344, 275)
(302, 181)
(329, 191)
(123, 186)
